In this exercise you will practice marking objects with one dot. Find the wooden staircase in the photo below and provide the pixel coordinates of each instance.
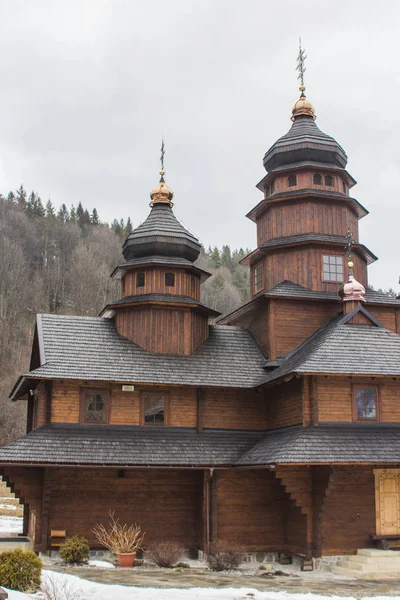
(370, 564)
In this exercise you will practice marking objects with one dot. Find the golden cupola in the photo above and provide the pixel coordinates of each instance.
(161, 193)
(303, 107)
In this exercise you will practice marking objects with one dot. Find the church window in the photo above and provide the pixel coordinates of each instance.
(170, 279)
(94, 406)
(140, 280)
(344, 186)
(329, 181)
(292, 180)
(258, 278)
(365, 403)
(317, 179)
(333, 268)
(154, 408)
(271, 188)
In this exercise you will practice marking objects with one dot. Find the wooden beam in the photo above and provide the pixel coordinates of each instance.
(29, 417)
(214, 506)
(206, 522)
(48, 386)
(314, 400)
(46, 494)
(200, 410)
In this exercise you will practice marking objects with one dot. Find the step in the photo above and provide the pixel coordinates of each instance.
(370, 561)
(377, 553)
(377, 566)
(373, 576)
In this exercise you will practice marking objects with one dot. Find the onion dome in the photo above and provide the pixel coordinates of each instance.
(161, 193)
(161, 234)
(352, 290)
(304, 142)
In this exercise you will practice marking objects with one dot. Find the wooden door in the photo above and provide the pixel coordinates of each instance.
(387, 499)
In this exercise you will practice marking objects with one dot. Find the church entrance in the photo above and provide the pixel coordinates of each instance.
(387, 501)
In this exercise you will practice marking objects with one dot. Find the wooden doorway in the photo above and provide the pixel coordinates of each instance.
(387, 501)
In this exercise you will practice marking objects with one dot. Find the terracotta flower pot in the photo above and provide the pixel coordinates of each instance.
(126, 559)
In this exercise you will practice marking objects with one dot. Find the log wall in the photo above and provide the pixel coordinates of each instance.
(186, 284)
(284, 404)
(305, 180)
(335, 399)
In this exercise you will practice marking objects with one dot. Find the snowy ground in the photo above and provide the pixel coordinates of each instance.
(10, 525)
(72, 587)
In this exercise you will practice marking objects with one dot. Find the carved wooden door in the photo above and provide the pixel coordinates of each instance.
(387, 499)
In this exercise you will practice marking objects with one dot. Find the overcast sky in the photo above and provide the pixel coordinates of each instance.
(88, 87)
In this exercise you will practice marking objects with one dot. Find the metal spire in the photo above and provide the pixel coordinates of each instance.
(300, 66)
(162, 172)
(349, 251)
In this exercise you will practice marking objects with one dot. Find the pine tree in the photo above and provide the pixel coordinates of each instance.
(50, 212)
(63, 214)
(11, 197)
(21, 198)
(216, 257)
(128, 226)
(72, 214)
(38, 208)
(80, 215)
(94, 217)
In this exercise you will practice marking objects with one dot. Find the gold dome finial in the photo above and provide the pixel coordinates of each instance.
(162, 194)
(302, 106)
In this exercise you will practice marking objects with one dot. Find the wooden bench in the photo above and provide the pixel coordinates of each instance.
(57, 537)
(386, 542)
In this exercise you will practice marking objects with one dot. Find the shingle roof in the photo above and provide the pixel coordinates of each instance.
(346, 348)
(318, 237)
(346, 443)
(61, 444)
(289, 289)
(121, 445)
(161, 234)
(304, 142)
(90, 348)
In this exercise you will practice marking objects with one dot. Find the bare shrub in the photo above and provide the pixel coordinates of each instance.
(119, 538)
(224, 556)
(57, 588)
(165, 554)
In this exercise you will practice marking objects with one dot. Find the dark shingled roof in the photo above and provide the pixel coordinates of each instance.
(115, 445)
(121, 445)
(304, 142)
(169, 298)
(90, 348)
(345, 443)
(161, 234)
(288, 289)
(302, 238)
(343, 347)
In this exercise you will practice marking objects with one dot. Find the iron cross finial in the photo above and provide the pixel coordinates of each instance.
(300, 66)
(162, 156)
(349, 250)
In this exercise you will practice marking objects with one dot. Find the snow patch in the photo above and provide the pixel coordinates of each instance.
(10, 525)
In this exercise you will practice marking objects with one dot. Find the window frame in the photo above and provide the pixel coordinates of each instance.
(323, 268)
(166, 395)
(137, 279)
(366, 386)
(320, 177)
(292, 178)
(256, 267)
(82, 409)
(169, 273)
(329, 178)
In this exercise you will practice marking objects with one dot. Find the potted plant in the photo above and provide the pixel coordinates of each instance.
(123, 540)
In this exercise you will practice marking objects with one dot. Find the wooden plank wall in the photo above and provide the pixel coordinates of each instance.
(305, 180)
(256, 322)
(284, 404)
(335, 398)
(155, 282)
(199, 330)
(251, 509)
(303, 265)
(306, 216)
(295, 321)
(166, 503)
(226, 409)
(348, 515)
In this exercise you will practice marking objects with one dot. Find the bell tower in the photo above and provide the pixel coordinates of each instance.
(307, 209)
(160, 306)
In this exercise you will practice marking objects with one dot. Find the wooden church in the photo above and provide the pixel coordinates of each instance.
(278, 427)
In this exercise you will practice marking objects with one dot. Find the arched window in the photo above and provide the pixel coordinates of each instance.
(140, 280)
(170, 279)
(292, 180)
(329, 181)
(317, 179)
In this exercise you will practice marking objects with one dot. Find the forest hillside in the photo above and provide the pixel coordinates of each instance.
(59, 261)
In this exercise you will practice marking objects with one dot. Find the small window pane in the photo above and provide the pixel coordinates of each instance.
(140, 280)
(258, 279)
(154, 408)
(95, 407)
(169, 279)
(333, 268)
(292, 180)
(329, 180)
(366, 403)
(317, 179)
